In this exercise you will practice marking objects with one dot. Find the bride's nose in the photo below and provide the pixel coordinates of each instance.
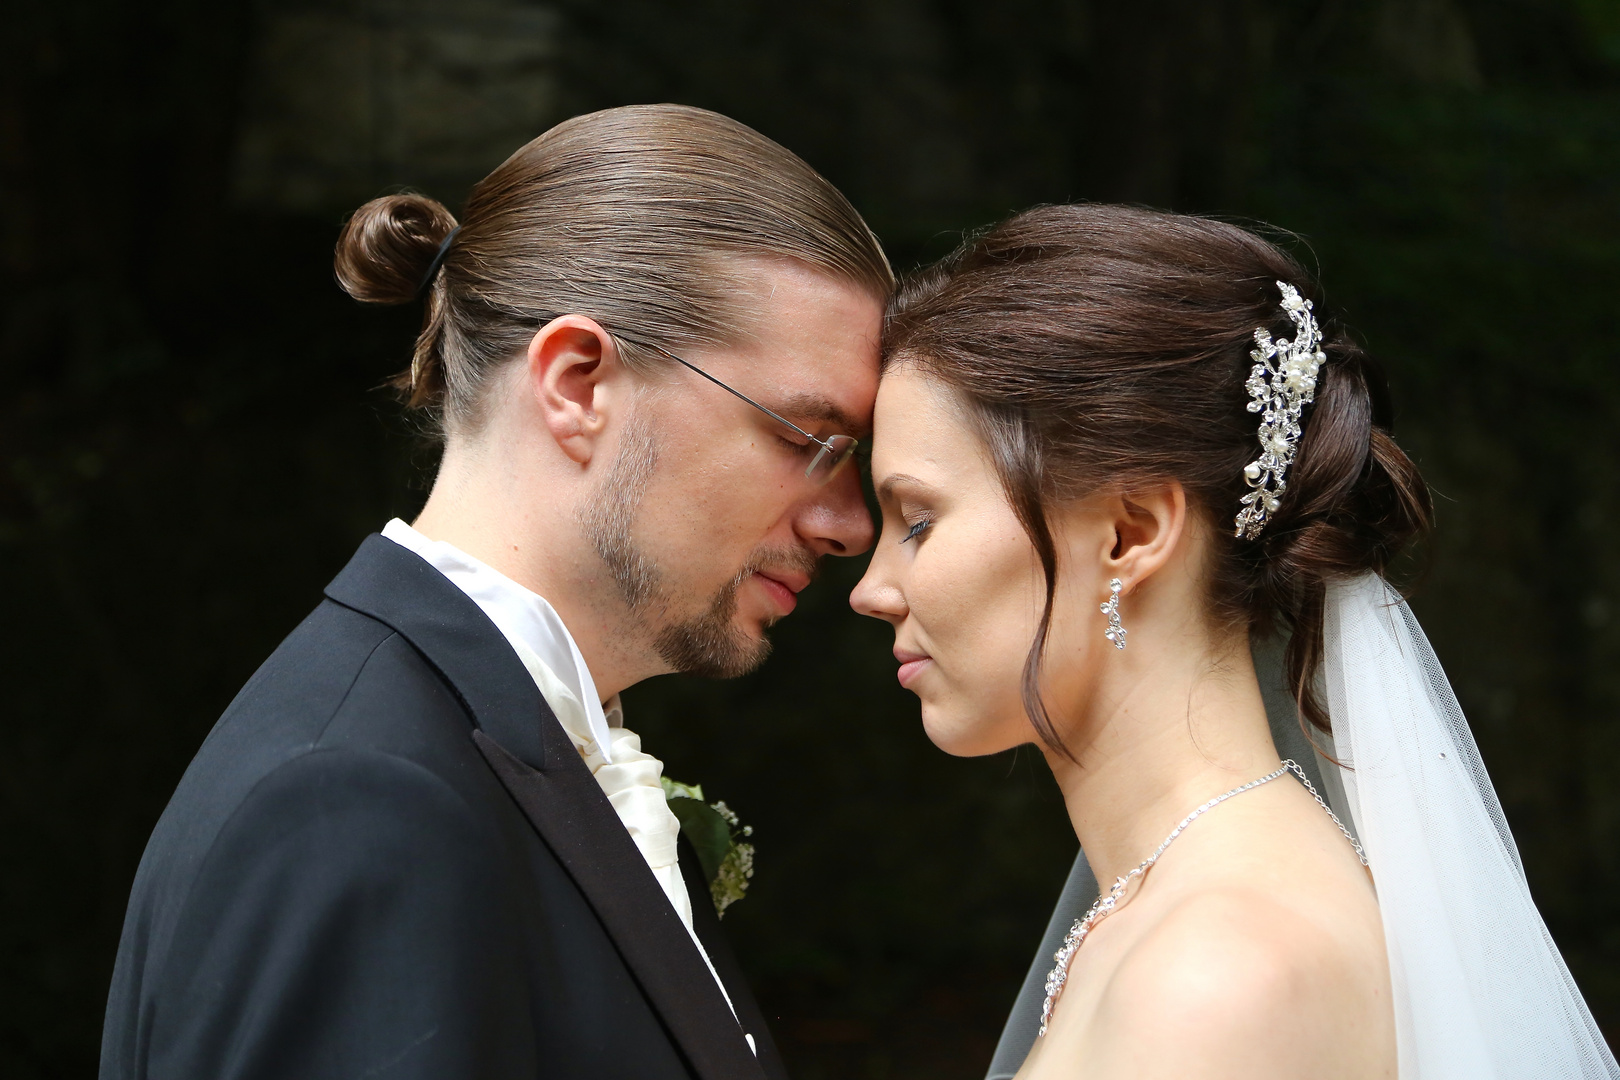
(877, 595)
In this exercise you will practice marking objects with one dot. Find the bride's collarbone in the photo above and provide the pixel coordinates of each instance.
(1257, 928)
(1214, 981)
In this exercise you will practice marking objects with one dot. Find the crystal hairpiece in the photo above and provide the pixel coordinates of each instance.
(1281, 384)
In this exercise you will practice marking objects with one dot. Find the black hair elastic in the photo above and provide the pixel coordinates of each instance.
(438, 261)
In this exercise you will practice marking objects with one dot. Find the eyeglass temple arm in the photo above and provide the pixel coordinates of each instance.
(768, 412)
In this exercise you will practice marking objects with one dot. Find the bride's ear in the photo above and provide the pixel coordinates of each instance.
(1148, 527)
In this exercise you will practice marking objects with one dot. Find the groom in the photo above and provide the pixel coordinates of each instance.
(420, 842)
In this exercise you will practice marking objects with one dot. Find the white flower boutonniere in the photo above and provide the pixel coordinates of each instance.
(719, 840)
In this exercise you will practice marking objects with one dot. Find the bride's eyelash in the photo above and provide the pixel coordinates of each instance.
(916, 530)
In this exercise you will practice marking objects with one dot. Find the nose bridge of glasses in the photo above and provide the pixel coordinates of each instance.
(815, 463)
(835, 451)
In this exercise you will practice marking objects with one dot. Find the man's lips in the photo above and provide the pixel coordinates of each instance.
(912, 665)
(782, 588)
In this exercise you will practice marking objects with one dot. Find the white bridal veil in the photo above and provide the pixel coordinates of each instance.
(1480, 990)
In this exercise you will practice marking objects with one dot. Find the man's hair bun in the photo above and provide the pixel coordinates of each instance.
(388, 245)
(643, 218)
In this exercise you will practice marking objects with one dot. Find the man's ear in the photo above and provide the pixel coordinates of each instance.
(578, 381)
(1148, 528)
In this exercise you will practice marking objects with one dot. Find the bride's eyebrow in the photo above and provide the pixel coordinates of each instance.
(885, 490)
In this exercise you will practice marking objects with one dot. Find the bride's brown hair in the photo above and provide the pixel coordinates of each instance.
(1107, 346)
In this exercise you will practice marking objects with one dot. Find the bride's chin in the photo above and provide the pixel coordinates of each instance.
(958, 736)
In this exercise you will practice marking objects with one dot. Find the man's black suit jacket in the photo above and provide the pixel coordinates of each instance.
(387, 860)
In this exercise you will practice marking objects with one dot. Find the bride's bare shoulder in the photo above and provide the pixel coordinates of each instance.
(1239, 982)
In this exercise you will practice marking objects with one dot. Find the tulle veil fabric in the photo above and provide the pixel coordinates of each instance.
(1480, 990)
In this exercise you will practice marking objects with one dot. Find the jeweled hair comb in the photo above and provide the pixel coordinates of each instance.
(1281, 384)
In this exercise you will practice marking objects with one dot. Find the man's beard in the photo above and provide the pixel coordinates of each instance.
(707, 644)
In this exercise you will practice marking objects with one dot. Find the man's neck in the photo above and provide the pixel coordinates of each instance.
(485, 507)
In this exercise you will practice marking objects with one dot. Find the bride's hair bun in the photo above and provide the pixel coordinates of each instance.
(1354, 502)
(389, 244)
(1109, 346)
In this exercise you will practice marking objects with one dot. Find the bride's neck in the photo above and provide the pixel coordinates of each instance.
(1163, 734)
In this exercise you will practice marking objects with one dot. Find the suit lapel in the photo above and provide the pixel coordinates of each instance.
(579, 825)
(531, 755)
(707, 925)
(401, 589)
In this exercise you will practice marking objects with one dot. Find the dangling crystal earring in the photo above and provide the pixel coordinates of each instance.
(1115, 632)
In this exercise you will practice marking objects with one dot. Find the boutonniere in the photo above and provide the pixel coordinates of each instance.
(719, 839)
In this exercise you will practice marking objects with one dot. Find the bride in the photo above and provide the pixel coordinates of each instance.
(1111, 446)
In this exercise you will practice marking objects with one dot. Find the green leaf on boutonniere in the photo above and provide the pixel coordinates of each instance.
(707, 831)
(715, 834)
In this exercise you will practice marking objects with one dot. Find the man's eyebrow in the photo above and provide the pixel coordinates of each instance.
(815, 407)
(885, 489)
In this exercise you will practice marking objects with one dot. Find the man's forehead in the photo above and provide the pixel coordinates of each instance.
(826, 374)
(808, 344)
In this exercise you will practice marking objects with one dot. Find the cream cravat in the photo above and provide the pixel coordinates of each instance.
(633, 787)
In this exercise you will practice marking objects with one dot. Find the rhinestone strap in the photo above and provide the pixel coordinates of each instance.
(1294, 768)
(1107, 905)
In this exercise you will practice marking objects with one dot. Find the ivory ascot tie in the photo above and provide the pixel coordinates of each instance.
(632, 783)
(630, 778)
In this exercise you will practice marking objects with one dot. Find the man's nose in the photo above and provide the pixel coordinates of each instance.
(836, 521)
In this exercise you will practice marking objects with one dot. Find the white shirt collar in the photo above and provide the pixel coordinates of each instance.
(523, 618)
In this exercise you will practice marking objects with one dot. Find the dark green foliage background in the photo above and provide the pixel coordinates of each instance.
(192, 439)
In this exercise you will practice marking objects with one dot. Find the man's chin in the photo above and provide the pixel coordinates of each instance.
(728, 638)
(713, 650)
(752, 624)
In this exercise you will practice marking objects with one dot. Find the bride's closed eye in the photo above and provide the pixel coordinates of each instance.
(916, 530)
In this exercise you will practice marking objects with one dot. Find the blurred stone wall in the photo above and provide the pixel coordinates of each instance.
(193, 435)
(347, 98)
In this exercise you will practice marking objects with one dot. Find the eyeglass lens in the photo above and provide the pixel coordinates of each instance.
(832, 455)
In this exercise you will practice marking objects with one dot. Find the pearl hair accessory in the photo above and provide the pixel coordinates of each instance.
(1281, 384)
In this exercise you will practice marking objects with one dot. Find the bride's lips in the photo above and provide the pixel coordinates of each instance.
(782, 589)
(912, 665)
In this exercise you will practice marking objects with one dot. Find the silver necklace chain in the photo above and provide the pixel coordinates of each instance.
(1108, 904)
